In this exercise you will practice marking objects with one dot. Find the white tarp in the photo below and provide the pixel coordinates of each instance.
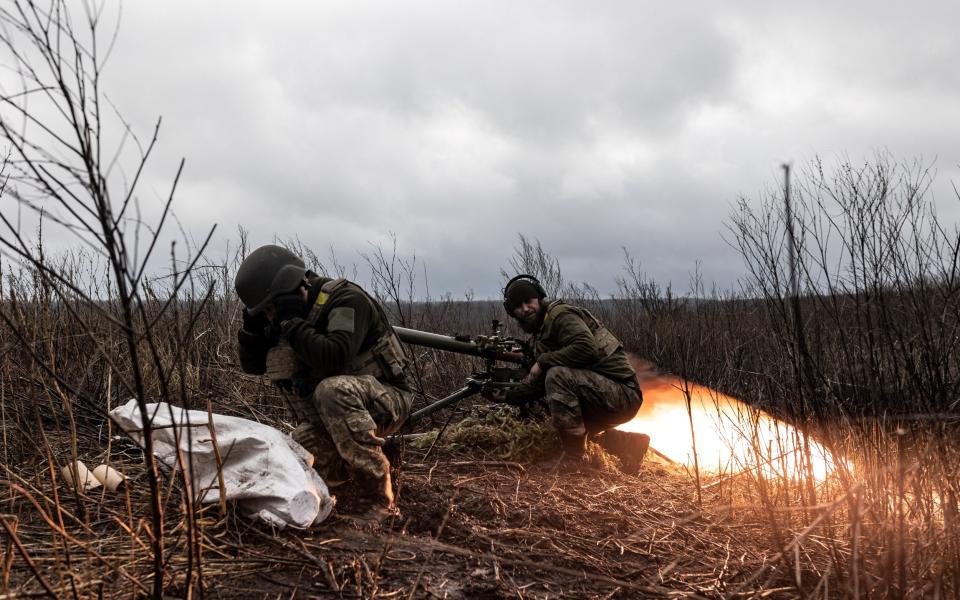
(269, 475)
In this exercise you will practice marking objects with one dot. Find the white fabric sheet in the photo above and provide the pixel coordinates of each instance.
(265, 472)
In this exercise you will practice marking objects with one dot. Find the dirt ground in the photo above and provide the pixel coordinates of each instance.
(469, 528)
(498, 529)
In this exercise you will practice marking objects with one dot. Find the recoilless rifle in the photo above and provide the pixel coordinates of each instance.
(629, 447)
(494, 349)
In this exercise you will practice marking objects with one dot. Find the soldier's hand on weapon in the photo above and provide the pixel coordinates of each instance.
(534, 374)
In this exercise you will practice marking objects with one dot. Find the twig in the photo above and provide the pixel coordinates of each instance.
(26, 557)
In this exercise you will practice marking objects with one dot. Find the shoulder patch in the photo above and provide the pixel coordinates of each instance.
(341, 319)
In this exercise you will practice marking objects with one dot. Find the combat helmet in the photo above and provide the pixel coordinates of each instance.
(266, 273)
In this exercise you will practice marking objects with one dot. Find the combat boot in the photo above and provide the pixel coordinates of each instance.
(628, 446)
(378, 494)
(574, 445)
(326, 461)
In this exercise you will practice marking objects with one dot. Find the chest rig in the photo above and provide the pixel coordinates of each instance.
(385, 359)
(607, 343)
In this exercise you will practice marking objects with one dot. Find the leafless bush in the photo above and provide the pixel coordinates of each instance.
(871, 368)
(64, 173)
(879, 278)
(531, 258)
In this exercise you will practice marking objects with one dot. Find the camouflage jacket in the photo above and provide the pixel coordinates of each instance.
(571, 336)
(333, 331)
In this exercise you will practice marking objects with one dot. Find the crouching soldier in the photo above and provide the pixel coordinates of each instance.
(330, 345)
(581, 371)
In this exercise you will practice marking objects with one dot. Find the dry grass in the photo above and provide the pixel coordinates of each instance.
(509, 527)
(472, 527)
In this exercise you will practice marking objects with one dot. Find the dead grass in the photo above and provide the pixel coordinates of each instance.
(494, 432)
(472, 526)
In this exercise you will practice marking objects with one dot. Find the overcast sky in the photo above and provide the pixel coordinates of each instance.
(589, 126)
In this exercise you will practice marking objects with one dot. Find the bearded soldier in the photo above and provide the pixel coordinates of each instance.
(329, 344)
(581, 371)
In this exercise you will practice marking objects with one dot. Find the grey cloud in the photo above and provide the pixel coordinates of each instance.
(591, 127)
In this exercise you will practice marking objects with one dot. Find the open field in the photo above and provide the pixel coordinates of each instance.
(864, 362)
(845, 325)
(477, 521)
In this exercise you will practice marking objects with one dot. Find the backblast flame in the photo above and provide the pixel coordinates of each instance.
(730, 435)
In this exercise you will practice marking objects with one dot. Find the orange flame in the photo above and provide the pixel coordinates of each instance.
(730, 435)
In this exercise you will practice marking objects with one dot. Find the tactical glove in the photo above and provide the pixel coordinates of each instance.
(254, 324)
(289, 306)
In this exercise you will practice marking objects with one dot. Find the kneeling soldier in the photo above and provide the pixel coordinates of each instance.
(581, 371)
(330, 344)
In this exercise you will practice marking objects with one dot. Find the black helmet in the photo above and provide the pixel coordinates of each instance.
(266, 273)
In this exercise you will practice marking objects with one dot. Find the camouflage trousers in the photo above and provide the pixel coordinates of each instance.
(583, 401)
(346, 421)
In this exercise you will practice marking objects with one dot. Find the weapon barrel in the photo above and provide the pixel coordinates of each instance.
(437, 341)
(452, 344)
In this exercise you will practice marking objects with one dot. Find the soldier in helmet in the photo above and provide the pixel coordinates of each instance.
(580, 370)
(330, 344)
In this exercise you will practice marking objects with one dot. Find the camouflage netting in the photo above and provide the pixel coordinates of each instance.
(497, 432)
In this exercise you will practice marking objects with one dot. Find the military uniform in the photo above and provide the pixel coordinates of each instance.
(347, 382)
(588, 383)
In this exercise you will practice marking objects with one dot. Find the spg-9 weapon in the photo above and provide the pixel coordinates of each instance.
(494, 348)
